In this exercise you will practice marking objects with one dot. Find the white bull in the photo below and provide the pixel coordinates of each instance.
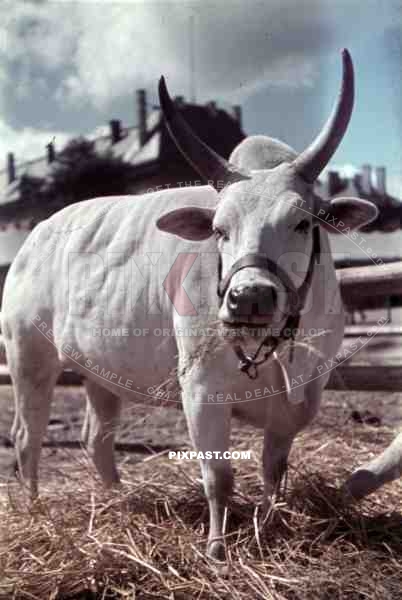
(120, 262)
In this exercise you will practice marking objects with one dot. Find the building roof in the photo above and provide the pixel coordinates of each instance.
(361, 186)
(158, 155)
(217, 128)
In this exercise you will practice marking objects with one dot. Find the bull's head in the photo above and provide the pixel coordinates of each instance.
(267, 207)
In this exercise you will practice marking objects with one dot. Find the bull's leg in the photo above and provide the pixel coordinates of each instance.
(383, 469)
(209, 428)
(103, 412)
(32, 402)
(16, 424)
(278, 438)
(34, 367)
(275, 461)
(86, 423)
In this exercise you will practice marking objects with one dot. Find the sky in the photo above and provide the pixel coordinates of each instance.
(67, 68)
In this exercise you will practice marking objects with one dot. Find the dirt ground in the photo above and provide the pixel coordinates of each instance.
(76, 542)
(157, 427)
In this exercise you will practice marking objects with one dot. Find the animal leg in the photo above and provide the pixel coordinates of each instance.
(34, 369)
(384, 468)
(103, 412)
(86, 423)
(209, 428)
(275, 461)
(33, 403)
(277, 445)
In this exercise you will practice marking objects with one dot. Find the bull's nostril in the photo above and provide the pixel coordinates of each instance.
(233, 298)
(252, 300)
(236, 292)
(268, 301)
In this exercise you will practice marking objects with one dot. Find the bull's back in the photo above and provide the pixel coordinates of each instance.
(116, 229)
(91, 277)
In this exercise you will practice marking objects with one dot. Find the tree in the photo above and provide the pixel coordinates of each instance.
(79, 172)
(31, 190)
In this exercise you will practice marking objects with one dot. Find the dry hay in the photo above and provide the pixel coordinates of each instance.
(148, 539)
(209, 345)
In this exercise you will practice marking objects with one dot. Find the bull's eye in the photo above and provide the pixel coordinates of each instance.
(220, 234)
(303, 226)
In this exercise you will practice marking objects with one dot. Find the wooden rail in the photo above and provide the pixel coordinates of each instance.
(367, 378)
(371, 287)
(345, 377)
(349, 263)
(136, 447)
(362, 287)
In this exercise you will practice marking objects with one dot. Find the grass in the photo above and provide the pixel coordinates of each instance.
(147, 539)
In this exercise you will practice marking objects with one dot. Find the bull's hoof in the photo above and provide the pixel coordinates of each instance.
(216, 550)
(361, 483)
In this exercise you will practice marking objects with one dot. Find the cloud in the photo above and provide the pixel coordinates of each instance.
(28, 143)
(36, 34)
(238, 47)
(103, 50)
(72, 62)
(236, 51)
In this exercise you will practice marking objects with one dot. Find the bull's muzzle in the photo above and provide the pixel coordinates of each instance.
(248, 302)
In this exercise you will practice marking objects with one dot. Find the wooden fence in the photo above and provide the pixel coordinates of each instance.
(361, 289)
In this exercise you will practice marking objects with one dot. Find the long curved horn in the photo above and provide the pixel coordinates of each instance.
(214, 169)
(312, 161)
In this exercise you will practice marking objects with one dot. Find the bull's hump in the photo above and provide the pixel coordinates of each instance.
(261, 152)
(101, 225)
(92, 213)
(125, 225)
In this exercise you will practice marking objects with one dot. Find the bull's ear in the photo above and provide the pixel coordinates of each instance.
(191, 223)
(345, 213)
